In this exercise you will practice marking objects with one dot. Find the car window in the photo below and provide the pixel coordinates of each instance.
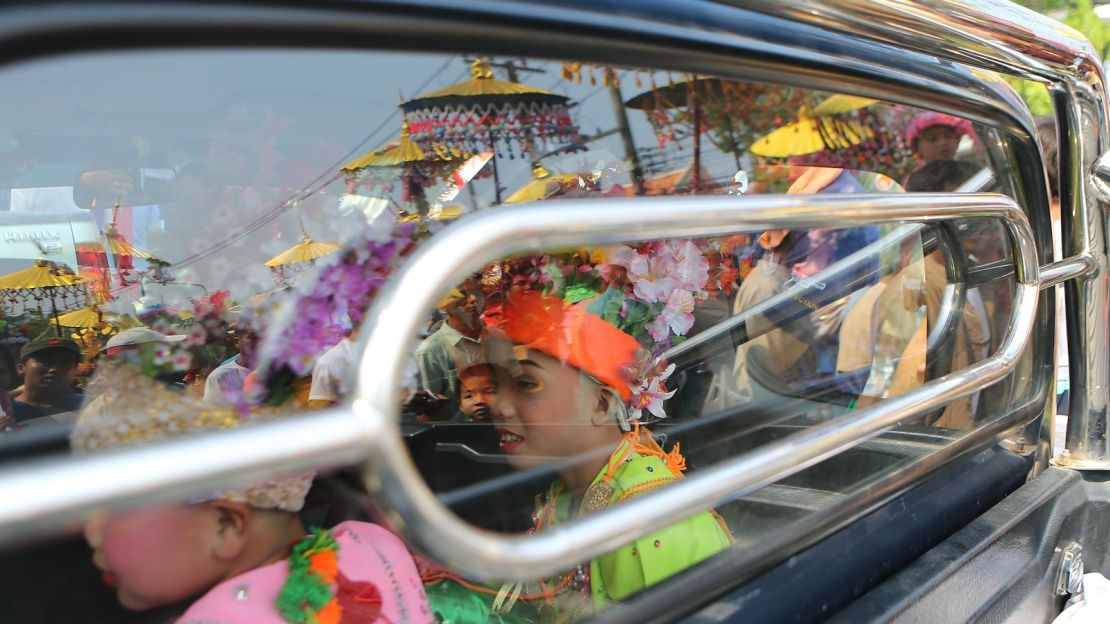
(192, 239)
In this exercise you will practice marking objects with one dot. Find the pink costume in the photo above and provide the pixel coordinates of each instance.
(368, 554)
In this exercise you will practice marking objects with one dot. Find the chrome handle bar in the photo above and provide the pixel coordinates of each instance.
(1001, 36)
(486, 237)
(44, 496)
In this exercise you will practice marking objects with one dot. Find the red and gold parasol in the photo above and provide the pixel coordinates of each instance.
(486, 114)
(731, 114)
(95, 254)
(96, 261)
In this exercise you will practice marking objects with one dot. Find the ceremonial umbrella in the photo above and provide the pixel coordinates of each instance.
(449, 212)
(482, 113)
(729, 112)
(89, 316)
(545, 185)
(840, 132)
(303, 252)
(96, 260)
(840, 103)
(809, 134)
(418, 168)
(114, 244)
(42, 282)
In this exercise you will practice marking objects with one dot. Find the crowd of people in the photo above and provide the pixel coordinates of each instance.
(560, 355)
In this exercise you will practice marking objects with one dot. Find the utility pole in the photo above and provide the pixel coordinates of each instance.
(512, 71)
(625, 131)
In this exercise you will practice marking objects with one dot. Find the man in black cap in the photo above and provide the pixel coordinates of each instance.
(47, 365)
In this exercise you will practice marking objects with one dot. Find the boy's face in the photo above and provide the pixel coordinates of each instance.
(248, 347)
(50, 369)
(548, 411)
(478, 393)
(156, 557)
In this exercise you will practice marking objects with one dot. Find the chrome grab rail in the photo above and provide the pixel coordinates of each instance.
(58, 493)
(830, 273)
(36, 505)
(981, 180)
(482, 238)
(340, 436)
(999, 35)
(1056, 273)
(163, 472)
(1079, 104)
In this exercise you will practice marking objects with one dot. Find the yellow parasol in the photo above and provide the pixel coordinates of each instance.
(85, 317)
(305, 251)
(399, 152)
(482, 83)
(840, 103)
(545, 185)
(446, 213)
(45, 280)
(436, 213)
(392, 154)
(43, 274)
(811, 134)
(406, 154)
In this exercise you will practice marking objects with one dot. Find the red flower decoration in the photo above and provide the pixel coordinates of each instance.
(361, 601)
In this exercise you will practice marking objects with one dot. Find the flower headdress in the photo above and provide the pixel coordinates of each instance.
(928, 120)
(299, 325)
(612, 312)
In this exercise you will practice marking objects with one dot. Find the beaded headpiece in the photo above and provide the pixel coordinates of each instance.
(134, 409)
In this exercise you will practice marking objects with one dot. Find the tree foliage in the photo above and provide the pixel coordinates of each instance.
(1080, 15)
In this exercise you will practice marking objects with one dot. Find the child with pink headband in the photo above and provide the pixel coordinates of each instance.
(935, 136)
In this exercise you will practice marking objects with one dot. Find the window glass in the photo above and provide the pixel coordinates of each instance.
(191, 239)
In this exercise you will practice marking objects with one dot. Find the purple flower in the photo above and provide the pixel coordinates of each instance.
(345, 288)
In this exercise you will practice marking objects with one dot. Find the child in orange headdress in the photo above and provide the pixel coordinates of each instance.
(579, 381)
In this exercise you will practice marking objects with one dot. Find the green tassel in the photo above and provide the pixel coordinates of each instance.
(304, 592)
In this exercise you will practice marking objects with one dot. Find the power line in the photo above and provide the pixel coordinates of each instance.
(300, 195)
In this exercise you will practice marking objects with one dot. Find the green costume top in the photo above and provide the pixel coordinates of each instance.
(638, 465)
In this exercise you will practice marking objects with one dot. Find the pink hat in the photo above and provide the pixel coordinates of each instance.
(928, 120)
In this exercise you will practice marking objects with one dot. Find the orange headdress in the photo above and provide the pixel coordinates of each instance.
(572, 334)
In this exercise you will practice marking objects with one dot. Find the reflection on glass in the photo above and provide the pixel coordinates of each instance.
(205, 242)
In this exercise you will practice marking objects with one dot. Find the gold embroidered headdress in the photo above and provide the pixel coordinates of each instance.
(134, 409)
